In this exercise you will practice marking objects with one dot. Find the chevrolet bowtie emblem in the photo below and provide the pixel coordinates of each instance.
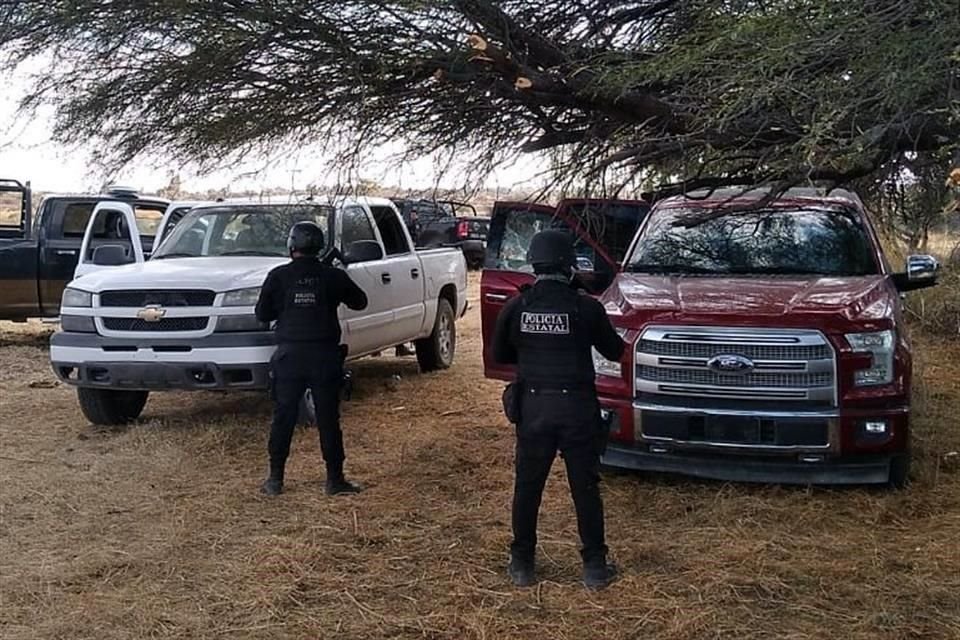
(152, 314)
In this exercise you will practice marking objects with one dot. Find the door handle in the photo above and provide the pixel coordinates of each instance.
(66, 252)
(414, 273)
(497, 297)
(385, 278)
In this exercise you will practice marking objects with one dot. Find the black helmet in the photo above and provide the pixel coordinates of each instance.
(551, 251)
(305, 237)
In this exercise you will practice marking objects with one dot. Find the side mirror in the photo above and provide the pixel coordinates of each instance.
(922, 271)
(584, 263)
(363, 251)
(111, 255)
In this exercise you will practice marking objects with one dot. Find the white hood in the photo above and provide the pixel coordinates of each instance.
(218, 274)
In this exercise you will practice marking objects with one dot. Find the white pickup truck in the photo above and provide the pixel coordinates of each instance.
(184, 319)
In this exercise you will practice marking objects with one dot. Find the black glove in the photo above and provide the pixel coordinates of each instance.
(332, 254)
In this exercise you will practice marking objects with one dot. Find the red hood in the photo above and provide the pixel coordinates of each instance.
(690, 298)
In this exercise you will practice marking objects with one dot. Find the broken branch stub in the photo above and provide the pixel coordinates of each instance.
(475, 41)
(522, 83)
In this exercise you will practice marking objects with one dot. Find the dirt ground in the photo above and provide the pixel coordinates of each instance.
(158, 531)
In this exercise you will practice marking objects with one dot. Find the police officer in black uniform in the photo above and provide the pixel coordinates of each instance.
(548, 332)
(303, 296)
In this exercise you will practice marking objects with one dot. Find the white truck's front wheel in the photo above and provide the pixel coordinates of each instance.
(111, 407)
(436, 351)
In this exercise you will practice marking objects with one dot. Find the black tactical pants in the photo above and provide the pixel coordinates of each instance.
(294, 369)
(550, 424)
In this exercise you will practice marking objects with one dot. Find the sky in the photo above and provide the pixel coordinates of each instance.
(28, 154)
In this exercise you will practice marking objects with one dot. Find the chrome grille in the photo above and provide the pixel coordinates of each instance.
(792, 365)
(705, 376)
(752, 351)
(161, 297)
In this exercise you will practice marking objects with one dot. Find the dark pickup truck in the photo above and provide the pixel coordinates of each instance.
(446, 223)
(39, 250)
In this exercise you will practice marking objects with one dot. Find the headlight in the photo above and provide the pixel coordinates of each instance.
(605, 367)
(76, 298)
(241, 297)
(880, 346)
(78, 324)
(240, 323)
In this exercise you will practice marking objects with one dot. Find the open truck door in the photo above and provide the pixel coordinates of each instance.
(111, 239)
(19, 296)
(173, 215)
(603, 230)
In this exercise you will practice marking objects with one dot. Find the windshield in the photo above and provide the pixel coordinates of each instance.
(239, 230)
(790, 241)
(611, 224)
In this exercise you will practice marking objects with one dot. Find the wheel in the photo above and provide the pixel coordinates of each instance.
(436, 351)
(900, 471)
(111, 407)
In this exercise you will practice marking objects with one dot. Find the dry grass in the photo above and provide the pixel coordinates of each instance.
(157, 531)
(942, 244)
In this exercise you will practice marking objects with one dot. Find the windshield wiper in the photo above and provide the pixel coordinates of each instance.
(175, 255)
(670, 268)
(253, 252)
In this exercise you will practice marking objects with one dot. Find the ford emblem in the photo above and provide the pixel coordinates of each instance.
(730, 364)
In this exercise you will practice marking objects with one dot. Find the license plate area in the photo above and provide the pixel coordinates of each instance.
(736, 430)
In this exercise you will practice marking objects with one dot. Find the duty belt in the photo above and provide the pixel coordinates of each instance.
(559, 391)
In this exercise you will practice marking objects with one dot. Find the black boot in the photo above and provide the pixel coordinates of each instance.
(337, 484)
(598, 574)
(273, 485)
(522, 572)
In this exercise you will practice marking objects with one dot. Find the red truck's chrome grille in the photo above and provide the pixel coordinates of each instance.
(763, 365)
(688, 375)
(752, 351)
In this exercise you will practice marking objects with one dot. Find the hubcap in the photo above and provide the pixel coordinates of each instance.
(445, 338)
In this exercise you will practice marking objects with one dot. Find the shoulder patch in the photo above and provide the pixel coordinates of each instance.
(557, 324)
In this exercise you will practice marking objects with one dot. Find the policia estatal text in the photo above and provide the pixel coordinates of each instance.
(548, 332)
(303, 297)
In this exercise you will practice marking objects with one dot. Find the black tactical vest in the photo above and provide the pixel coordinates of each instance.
(308, 315)
(553, 347)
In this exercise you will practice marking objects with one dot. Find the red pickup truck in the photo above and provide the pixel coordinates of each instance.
(766, 341)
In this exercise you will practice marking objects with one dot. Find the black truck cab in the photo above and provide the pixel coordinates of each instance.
(40, 249)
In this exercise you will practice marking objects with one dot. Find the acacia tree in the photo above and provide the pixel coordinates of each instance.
(708, 91)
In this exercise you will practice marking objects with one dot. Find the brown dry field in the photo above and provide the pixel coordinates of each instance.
(158, 531)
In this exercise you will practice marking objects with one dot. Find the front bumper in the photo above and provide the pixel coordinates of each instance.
(868, 470)
(839, 454)
(239, 361)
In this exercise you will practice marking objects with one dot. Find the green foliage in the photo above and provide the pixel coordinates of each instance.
(706, 91)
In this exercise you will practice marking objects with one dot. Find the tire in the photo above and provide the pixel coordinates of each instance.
(110, 407)
(900, 471)
(437, 350)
